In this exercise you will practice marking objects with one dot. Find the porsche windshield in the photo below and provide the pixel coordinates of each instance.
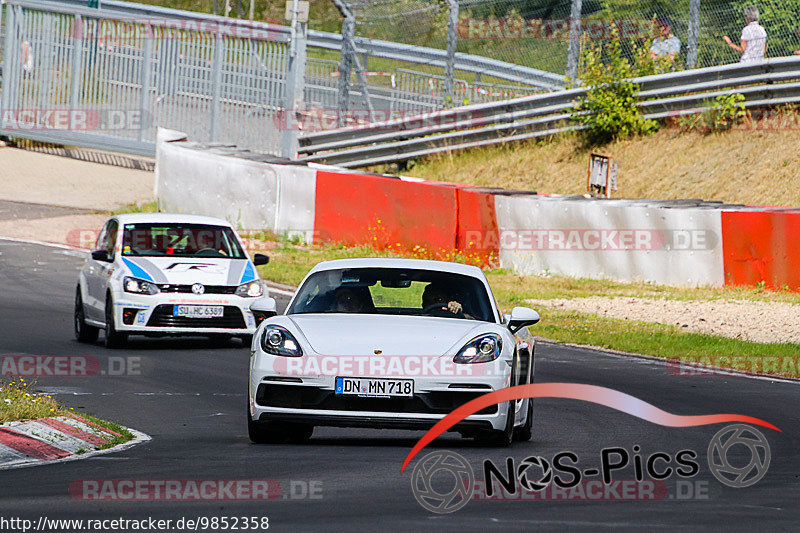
(185, 240)
(394, 291)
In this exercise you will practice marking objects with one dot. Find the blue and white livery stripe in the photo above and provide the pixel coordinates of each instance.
(249, 273)
(136, 270)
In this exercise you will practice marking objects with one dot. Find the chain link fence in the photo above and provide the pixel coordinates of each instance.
(536, 33)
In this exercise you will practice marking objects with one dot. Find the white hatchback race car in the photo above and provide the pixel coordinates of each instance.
(389, 343)
(160, 274)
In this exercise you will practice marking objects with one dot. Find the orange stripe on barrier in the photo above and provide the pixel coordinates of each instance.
(761, 246)
(477, 234)
(385, 213)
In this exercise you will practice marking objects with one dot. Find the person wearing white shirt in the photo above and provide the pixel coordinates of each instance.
(754, 38)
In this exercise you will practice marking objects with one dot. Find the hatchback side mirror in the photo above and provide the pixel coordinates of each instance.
(100, 255)
(260, 259)
(521, 317)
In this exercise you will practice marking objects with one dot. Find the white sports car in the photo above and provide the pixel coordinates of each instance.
(389, 343)
(160, 274)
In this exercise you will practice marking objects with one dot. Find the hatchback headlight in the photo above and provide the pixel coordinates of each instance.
(251, 289)
(139, 286)
(481, 349)
(278, 341)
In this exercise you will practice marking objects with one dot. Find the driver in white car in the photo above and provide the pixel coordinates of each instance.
(435, 293)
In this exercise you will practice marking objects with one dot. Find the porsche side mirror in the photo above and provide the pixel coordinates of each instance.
(264, 308)
(521, 317)
(260, 259)
(100, 255)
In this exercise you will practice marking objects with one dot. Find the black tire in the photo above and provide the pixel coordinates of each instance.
(499, 438)
(114, 338)
(502, 438)
(525, 432)
(83, 331)
(277, 433)
(247, 340)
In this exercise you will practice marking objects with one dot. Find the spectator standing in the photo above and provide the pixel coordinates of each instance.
(754, 38)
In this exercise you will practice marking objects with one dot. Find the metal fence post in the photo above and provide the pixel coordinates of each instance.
(147, 67)
(10, 52)
(574, 47)
(2, 6)
(216, 87)
(452, 43)
(7, 64)
(75, 70)
(694, 33)
(348, 31)
(294, 99)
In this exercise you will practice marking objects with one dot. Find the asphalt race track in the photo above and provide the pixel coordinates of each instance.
(191, 399)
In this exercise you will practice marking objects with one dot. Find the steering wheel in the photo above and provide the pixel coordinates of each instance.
(214, 252)
(440, 309)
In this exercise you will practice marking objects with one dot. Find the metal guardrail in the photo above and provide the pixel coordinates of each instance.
(373, 47)
(770, 82)
(82, 88)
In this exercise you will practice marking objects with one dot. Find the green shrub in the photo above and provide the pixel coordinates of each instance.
(727, 111)
(609, 109)
(724, 112)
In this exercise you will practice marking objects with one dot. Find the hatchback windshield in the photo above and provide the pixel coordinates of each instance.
(185, 240)
(394, 291)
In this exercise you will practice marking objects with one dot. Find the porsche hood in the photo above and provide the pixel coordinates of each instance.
(358, 335)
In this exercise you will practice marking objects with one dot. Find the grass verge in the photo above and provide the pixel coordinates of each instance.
(289, 263)
(743, 165)
(136, 207)
(20, 401)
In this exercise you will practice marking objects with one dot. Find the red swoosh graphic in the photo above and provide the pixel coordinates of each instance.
(576, 391)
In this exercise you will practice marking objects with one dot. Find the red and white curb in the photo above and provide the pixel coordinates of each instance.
(60, 438)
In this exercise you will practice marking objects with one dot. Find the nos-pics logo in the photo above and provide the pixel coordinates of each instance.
(443, 481)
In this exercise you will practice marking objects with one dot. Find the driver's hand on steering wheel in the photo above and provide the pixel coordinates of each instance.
(454, 307)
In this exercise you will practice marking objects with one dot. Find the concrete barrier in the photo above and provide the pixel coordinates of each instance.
(680, 242)
(614, 239)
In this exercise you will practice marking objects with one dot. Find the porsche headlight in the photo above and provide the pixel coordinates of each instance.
(139, 286)
(481, 349)
(278, 341)
(251, 289)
